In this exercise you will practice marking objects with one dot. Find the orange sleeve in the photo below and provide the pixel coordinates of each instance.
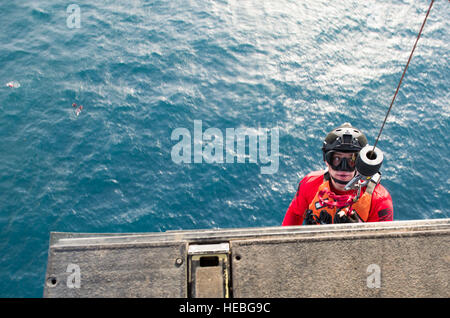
(294, 214)
(306, 191)
(382, 208)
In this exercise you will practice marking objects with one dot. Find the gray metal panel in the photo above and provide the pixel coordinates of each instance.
(123, 270)
(293, 261)
(412, 263)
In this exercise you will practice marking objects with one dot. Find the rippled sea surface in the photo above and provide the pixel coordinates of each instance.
(141, 69)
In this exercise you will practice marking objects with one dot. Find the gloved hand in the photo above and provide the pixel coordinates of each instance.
(342, 217)
(354, 217)
(311, 218)
(325, 218)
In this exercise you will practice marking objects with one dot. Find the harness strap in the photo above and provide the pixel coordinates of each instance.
(373, 182)
(338, 201)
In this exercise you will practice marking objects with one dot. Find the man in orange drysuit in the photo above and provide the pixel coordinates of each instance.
(340, 149)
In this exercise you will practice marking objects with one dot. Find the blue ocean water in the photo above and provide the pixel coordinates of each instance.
(141, 69)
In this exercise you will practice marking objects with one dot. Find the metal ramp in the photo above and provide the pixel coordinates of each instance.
(385, 259)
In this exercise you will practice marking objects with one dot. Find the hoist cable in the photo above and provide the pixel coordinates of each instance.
(403, 75)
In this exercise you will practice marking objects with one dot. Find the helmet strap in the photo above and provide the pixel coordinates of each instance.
(339, 181)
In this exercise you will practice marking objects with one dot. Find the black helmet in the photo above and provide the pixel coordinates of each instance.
(344, 139)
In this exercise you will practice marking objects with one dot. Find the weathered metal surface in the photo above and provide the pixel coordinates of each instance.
(386, 259)
(414, 265)
(128, 270)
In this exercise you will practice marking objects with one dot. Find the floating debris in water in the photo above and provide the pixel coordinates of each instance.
(78, 111)
(13, 84)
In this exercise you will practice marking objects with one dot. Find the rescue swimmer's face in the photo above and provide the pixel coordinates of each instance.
(336, 160)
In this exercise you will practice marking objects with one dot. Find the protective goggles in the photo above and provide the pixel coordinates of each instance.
(339, 163)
